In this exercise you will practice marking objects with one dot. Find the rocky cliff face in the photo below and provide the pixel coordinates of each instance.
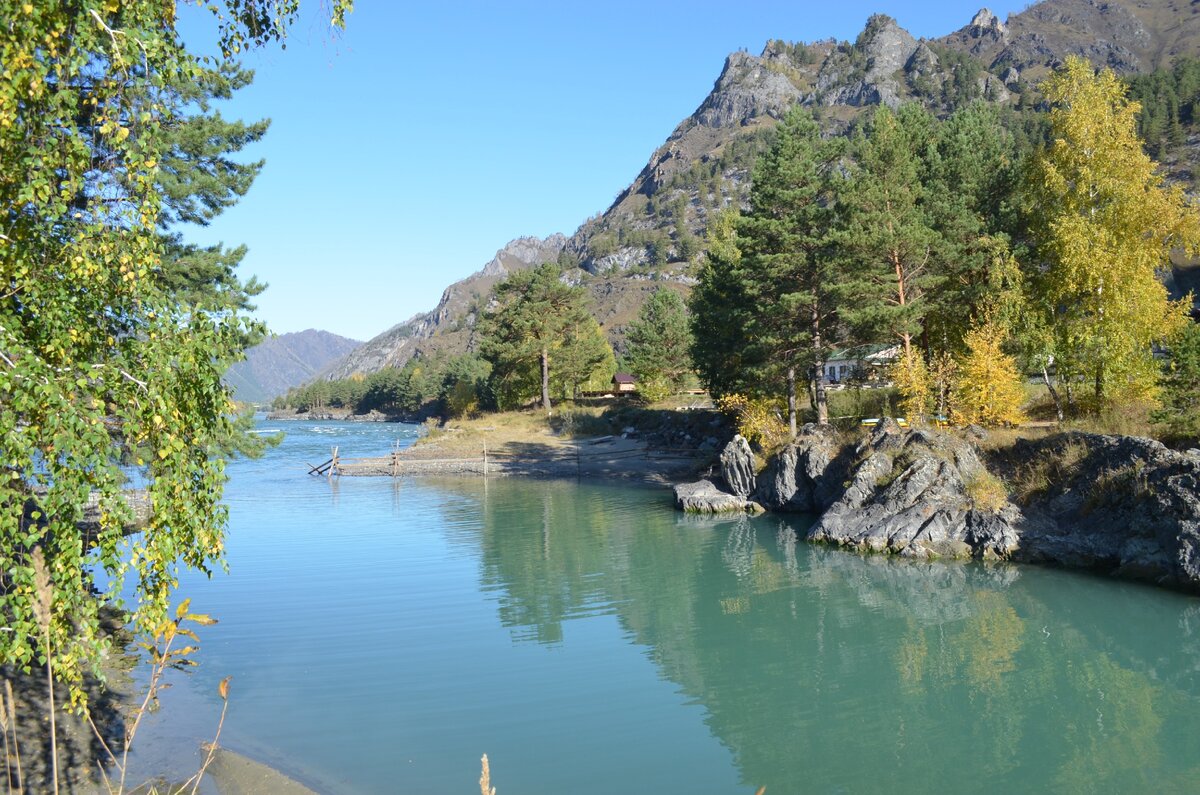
(650, 235)
(868, 73)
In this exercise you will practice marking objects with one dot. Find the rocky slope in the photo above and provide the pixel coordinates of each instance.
(448, 327)
(1120, 505)
(279, 363)
(651, 234)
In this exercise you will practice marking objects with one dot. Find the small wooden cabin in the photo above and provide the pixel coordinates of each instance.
(624, 382)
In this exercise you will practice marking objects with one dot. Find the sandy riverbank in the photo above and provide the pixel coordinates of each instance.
(233, 774)
(607, 458)
(79, 751)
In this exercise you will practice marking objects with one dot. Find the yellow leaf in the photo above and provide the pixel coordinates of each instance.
(223, 688)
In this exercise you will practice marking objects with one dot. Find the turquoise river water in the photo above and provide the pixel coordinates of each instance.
(382, 635)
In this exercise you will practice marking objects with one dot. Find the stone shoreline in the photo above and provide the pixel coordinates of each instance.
(1123, 506)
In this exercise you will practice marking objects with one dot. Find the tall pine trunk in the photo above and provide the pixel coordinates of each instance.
(901, 297)
(546, 379)
(819, 398)
(791, 396)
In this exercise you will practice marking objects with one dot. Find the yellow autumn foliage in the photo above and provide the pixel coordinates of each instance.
(911, 378)
(1105, 221)
(756, 419)
(988, 388)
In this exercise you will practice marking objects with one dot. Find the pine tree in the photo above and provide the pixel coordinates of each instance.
(583, 356)
(198, 179)
(968, 175)
(887, 241)
(786, 265)
(1103, 224)
(535, 315)
(720, 313)
(660, 342)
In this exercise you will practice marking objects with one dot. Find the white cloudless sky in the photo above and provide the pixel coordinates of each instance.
(403, 153)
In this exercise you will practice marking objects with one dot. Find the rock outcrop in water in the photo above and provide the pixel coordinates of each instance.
(703, 496)
(738, 474)
(737, 467)
(805, 476)
(919, 494)
(1120, 505)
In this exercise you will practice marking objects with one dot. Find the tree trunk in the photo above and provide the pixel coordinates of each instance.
(901, 297)
(819, 398)
(791, 396)
(1058, 408)
(546, 380)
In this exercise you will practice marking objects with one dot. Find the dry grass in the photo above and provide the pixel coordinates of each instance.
(1055, 466)
(485, 779)
(1124, 483)
(1003, 438)
(986, 492)
(1127, 420)
(469, 436)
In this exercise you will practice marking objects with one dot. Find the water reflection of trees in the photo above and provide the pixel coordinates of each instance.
(863, 673)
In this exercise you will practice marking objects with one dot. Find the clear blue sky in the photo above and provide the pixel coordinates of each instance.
(403, 153)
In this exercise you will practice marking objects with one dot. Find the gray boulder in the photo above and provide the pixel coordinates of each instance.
(800, 478)
(737, 467)
(703, 496)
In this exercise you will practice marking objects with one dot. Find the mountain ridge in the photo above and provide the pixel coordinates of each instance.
(649, 236)
(281, 362)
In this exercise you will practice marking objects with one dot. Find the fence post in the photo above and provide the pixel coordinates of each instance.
(485, 459)
(333, 464)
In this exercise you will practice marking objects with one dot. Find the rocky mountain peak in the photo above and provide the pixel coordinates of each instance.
(866, 74)
(985, 23)
(747, 88)
(887, 47)
(524, 252)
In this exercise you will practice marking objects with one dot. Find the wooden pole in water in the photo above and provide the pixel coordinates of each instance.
(485, 459)
(333, 465)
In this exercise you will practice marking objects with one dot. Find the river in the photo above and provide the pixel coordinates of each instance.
(383, 634)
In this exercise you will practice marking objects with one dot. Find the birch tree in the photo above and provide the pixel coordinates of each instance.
(1104, 223)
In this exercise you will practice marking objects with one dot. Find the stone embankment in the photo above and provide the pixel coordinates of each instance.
(1121, 505)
